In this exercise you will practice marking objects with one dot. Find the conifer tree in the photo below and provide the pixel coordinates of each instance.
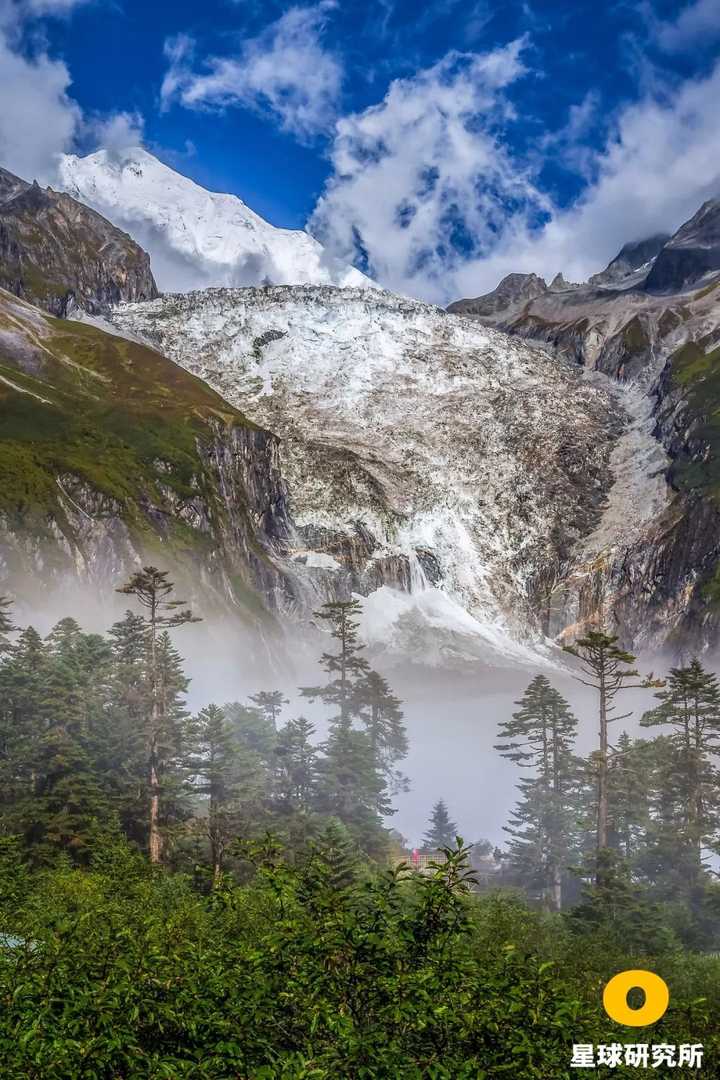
(125, 758)
(214, 766)
(665, 858)
(254, 726)
(607, 669)
(154, 592)
(631, 779)
(172, 736)
(335, 859)
(690, 707)
(296, 765)
(351, 788)
(22, 718)
(352, 779)
(382, 718)
(441, 831)
(52, 718)
(540, 737)
(346, 666)
(271, 704)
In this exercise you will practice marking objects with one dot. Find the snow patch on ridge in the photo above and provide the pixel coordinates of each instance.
(640, 491)
(197, 238)
(430, 625)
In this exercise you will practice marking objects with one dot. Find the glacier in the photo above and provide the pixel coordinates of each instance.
(449, 475)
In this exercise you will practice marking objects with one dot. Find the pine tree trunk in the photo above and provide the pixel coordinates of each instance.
(155, 843)
(556, 869)
(602, 818)
(216, 838)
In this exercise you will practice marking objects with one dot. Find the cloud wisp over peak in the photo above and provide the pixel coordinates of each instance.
(285, 71)
(430, 193)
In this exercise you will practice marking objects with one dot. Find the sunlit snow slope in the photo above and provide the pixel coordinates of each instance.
(196, 237)
(446, 472)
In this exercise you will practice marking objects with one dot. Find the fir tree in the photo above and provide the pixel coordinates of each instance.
(382, 718)
(125, 759)
(55, 703)
(441, 832)
(23, 716)
(665, 858)
(346, 666)
(690, 707)
(214, 766)
(612, 902)
(296, 760)
(254, 726)
(335, 860)
(540, 737)
(352, 777)
(154, 592)
(271, 704)
(171, 737)
(631, 778)
(351, 788)
(608, 670)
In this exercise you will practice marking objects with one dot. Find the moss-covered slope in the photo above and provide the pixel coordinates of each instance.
(110, 453)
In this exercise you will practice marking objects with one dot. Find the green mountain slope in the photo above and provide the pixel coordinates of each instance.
(111, 454)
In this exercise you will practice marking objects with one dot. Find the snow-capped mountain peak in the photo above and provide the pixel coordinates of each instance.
(196, 237)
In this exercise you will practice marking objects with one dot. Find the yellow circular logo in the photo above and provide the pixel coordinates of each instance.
(657, 998)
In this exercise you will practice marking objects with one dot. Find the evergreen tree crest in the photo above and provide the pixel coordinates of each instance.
(441, 831)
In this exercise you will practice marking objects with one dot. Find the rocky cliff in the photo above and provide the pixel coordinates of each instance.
(111, 456)
(651, 321)
(61, 255)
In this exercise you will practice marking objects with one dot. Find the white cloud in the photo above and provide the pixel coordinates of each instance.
(661, 162)
(50, 7)
(118, 132)
(14, 12)
(426, 162)
(696, 23)
(42, 119)
(286, 70)
(431, 162)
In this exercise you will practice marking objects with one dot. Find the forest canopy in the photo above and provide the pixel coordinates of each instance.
(219, 894)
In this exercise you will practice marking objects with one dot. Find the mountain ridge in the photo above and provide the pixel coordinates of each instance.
(656, 329)
(112, 456)
(60, 254)
(197, 238)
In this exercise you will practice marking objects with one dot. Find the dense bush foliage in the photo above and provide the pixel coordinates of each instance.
(322, 969)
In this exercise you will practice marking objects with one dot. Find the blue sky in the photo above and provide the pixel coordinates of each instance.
(449, 141)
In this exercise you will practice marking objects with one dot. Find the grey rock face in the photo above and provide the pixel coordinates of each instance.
(512, 289)
(693, 252)
(631, 257)
(60, 255)
(659, 585)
